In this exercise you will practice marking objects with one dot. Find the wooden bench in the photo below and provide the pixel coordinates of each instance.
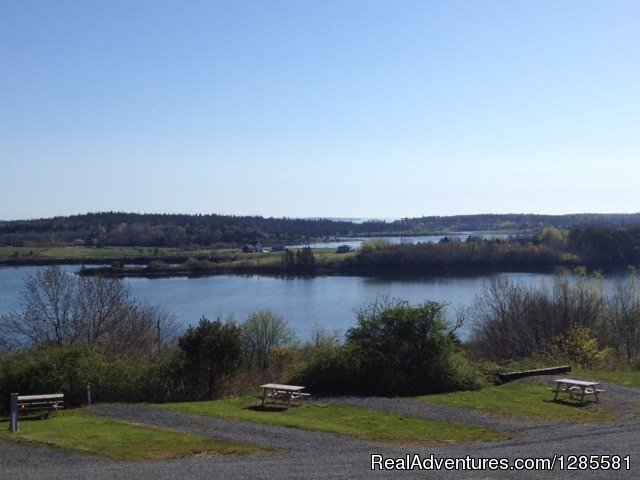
(32, 403)
(47, 402)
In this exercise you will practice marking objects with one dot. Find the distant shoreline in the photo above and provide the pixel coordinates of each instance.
(138, 267)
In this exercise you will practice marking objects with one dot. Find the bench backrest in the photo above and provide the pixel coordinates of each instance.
(50, 396)
(53, 401)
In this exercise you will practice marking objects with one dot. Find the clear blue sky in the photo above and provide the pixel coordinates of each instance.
(342, 109)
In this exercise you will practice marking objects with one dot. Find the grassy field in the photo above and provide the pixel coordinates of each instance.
(78, 431)
(520, 399)
(229, 255)
(81, 253)
(342, 420)
(626, 379)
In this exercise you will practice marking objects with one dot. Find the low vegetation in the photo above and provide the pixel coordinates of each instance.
(574, 319)
(476, 255)
(396, 349)
(79, 431)
(343, 420)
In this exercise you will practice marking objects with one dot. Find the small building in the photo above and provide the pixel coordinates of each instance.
(252, 248)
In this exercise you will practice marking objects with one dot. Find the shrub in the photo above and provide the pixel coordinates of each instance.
(209, 352)
(580, 346)
(330, 370)
(69, 369)
(396, 348)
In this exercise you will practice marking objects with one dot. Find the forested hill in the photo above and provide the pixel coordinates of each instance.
(146, 230)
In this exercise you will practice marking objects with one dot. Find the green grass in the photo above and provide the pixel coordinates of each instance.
(76, 430)
(343, 420)
(323, 255)
(627, 379)
(521, 399)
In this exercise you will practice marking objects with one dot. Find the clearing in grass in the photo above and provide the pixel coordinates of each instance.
(521, 399)
(342, 420)
(76, 430)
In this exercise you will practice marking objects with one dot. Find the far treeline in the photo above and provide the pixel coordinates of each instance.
(597, 248)
(164, 230)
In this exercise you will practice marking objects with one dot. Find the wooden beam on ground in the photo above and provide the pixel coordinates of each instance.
(509, 376)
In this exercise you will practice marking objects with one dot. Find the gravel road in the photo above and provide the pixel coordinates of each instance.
(307, 455)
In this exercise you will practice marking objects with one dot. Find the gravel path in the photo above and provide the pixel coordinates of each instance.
(310, 455)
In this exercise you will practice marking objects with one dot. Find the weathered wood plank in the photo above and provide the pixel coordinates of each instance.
(51, 396)
(508, 376)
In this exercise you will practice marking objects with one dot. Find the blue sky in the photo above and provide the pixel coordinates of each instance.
(340, 109)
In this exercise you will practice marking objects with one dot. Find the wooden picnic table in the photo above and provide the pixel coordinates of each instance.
(279, 393)
(576, 388)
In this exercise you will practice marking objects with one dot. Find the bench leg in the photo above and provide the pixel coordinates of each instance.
(14, 413)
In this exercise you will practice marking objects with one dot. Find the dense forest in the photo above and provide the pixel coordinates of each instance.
(164, 230)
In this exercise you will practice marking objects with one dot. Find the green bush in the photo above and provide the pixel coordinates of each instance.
(68, 370)
(396, 348)
(209, 352)
(330, 370)
(580, 346)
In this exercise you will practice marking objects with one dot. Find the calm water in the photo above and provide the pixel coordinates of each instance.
(306, 303)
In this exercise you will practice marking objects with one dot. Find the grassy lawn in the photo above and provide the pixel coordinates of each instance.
(521, 399)
(76, 430)
(343, 420)
(626, 379)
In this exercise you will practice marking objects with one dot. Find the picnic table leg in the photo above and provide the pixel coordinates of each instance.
(264, 394)
(557, 391)
(582, 398)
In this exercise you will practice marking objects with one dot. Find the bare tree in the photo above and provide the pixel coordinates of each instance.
(104, 304)
(623, 332)
(501, 319)
(262, 332)
(145, 330)
(51, 314)
(62, 309)
(516, 320)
